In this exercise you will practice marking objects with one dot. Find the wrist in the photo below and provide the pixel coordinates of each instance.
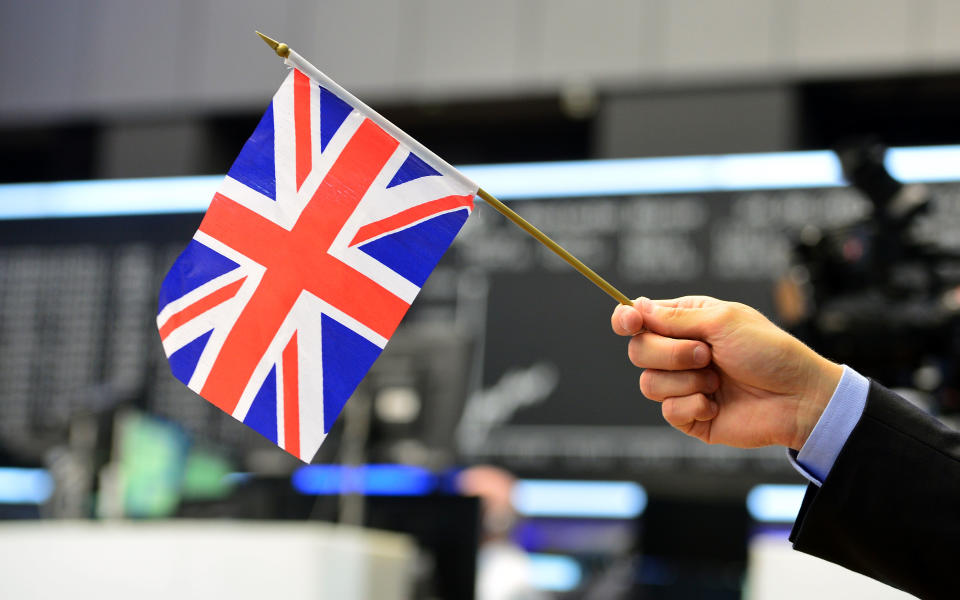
(821, 384)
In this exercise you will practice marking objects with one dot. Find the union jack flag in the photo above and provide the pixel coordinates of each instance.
(317, 241)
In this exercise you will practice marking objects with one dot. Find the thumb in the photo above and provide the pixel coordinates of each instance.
(680, 318)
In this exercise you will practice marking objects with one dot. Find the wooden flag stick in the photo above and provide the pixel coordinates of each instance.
(283, 51)
(544, 239)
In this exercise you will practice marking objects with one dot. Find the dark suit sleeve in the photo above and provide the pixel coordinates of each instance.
(890, 507)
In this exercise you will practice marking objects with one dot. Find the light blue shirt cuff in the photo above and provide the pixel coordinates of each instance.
(841, 415)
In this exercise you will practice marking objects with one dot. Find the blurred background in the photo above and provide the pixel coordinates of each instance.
(794, 155)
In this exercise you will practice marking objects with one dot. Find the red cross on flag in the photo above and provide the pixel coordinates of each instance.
(317, 241)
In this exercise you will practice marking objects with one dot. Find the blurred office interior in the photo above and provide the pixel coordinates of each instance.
(797, 155)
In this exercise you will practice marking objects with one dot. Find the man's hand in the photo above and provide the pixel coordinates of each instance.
(724, 373)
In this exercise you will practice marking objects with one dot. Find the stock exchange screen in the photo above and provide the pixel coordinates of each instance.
(77, 336)
(548, 387)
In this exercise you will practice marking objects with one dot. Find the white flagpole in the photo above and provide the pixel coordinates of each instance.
(293, 59)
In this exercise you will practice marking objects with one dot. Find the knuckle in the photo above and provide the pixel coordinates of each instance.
(701, 403)
(648, 385)
(633, 351)
(668, 410)
(728, 312)
(673, 412)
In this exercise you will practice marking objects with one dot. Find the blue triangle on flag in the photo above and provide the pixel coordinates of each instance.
(184, 361)
(347, 356)
(415, 251)
(254, 167)
(333, 112)
(262, 416)
(412, 168)
(195, 266)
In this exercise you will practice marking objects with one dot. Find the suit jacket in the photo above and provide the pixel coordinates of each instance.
(890, 507)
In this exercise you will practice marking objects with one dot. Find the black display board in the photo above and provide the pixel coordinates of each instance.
(550, 389)
(559, 395)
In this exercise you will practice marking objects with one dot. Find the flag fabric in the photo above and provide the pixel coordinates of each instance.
(312, 250)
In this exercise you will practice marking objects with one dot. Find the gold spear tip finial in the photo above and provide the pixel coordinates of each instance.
(280, 48)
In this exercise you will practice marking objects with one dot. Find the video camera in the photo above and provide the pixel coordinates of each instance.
(872, 294)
